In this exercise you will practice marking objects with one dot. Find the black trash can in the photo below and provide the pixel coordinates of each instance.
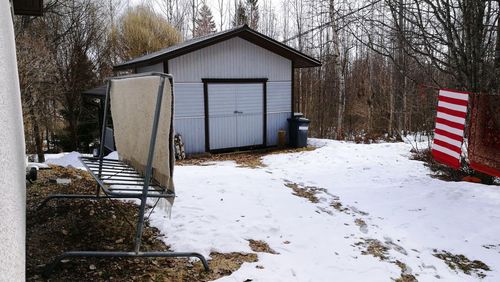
(299, 127)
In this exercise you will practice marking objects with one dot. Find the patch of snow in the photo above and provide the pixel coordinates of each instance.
(37, 165)
(65, 160)
(71, 159)
(220, 207)
(113, 156)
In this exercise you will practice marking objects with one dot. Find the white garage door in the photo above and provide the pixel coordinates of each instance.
(236, 115)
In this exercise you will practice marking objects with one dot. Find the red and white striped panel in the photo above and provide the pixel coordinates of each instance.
(450, 125)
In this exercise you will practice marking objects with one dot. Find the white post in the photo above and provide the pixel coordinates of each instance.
(12, 163)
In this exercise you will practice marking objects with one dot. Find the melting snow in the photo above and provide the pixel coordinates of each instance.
(64, 159)
(364, 194)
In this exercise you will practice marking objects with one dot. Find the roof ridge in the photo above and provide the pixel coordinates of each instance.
(212, 38)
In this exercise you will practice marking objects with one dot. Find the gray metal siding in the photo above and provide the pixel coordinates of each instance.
(276, 122)
(233, 58)
(279, 104)
(156, 68)
(189, 100)
(189, 115)
(193, 133)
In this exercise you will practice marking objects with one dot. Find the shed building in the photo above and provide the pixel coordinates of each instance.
(233, 89)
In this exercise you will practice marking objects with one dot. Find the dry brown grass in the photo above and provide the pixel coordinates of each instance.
(405, 275)
(373, 247)
(462, 263)
(406, 278)
(260, 246)
(380, 250)
(248, 159)
(308, 192)
(447, 173)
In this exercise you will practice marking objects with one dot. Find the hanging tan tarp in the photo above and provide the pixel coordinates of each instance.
(133, 102)
(484, 134)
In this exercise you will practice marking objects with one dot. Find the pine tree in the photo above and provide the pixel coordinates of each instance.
(204, 23)
(240, 16)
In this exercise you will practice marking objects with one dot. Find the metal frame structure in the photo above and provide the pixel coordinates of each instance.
(113, 178)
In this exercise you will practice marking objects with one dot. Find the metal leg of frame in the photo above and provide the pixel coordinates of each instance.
(149, 166)
(50, 268)
(71, 197)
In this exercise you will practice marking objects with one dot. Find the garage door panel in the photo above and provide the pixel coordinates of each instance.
(249, 130)
(222, 133)
(255, 107)
(250, 98)
(250, 107)
(221, 99)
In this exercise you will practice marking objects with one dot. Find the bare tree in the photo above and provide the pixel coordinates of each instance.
(455, 36)
(339, 72)
(177, 13)
(221, 9)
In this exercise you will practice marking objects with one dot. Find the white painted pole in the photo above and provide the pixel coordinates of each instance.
(12, 164)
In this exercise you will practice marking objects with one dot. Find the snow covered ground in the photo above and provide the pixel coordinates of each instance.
(65, 159)
(366, 193)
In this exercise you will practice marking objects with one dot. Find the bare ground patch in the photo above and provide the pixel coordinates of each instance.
(260, 246)
(248, 159)
(307, 192)
(374, 248)
(447, 173)
(462, 263)
(102, 225)
(368, 246)
(406, 275)
(492, 247)
(380, 250)
(363, 227)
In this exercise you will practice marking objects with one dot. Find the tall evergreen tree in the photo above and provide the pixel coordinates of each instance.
(204, 23)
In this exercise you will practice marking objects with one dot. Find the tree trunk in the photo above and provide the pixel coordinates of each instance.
(194, 11)
(369, 101)
(496, 82)
(47, 137)
(340, 78)
(36, 132)
(391, 110)
(399, 75)
(73, 131)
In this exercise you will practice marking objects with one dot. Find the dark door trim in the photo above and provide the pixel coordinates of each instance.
(206, 81)
(293, 88)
